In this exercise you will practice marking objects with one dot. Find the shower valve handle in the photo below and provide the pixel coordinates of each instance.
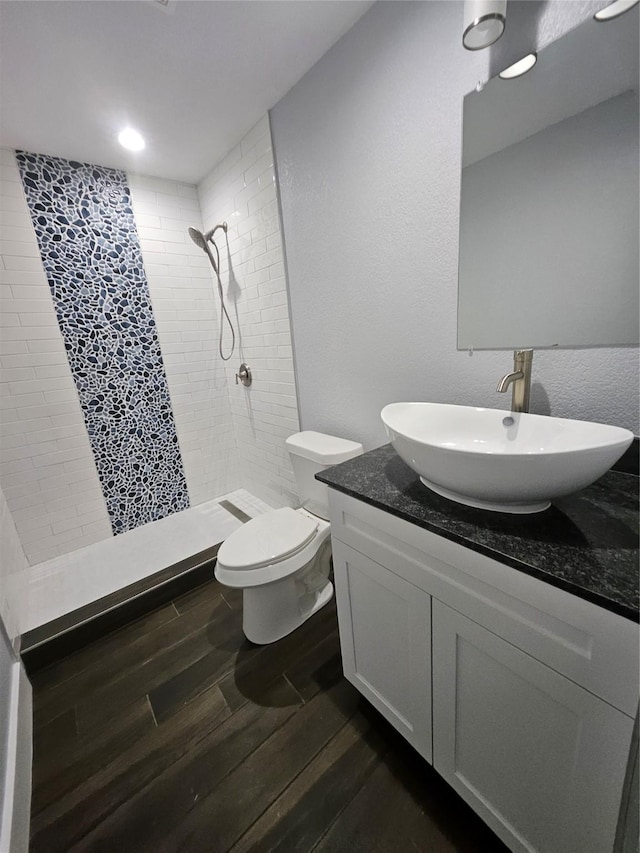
(244, 375)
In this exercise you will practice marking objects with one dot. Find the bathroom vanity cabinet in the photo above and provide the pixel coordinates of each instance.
(522, 695)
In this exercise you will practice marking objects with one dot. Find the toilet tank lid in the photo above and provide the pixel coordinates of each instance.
(321, 448)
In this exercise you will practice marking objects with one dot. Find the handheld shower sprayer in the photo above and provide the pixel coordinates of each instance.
(202, 241)
(198, 238)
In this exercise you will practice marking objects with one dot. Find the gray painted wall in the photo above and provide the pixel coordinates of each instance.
(368, 150)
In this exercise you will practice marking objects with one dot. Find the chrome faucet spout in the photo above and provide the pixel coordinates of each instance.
(508, 379)
(519, 379)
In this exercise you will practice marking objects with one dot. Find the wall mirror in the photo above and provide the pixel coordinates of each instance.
(549, 198)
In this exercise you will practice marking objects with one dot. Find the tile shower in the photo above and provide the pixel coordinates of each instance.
(116, 411)
(89, 247)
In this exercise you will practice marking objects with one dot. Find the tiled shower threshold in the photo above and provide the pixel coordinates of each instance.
(82, 595)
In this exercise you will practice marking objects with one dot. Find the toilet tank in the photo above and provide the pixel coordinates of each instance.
(310, 453)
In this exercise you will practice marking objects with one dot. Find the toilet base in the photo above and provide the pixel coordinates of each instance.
(272, 611)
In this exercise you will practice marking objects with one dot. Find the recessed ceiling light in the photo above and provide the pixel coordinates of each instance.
(131, 139)
(614, 9)
(520, 67)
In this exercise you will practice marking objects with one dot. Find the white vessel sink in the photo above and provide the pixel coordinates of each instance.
(498, 460)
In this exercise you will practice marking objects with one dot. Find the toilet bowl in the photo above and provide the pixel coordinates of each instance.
(282, 559)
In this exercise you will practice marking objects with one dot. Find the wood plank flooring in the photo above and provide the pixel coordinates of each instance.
(175, 733)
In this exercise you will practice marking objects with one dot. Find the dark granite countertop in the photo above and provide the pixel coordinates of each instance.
(586, 543)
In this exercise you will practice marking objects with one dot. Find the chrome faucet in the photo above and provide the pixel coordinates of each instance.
(519, 379)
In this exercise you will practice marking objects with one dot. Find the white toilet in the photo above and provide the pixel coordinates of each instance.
(281, 560)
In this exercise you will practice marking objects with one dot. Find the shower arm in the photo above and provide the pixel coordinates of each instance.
(208, 238)
(209, 235)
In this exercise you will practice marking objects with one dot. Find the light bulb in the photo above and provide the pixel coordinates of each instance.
(520, 67)
(131, 139)
(619, 7)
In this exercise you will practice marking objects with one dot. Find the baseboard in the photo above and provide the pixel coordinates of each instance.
(59, 638)
(16, 806)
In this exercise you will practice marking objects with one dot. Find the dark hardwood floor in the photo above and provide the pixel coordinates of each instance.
(175, 733)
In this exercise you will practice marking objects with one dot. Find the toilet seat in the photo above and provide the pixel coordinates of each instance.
(270, 547)
(267, 539)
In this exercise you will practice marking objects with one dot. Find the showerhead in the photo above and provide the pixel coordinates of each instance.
(202, 242)
(199, 238)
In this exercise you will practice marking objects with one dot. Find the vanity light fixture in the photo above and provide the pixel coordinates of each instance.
(614, 10)
(131, 139)
(520, 67)
(484, 22)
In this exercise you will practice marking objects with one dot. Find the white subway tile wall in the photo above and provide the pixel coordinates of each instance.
(241, 190)
(182, 294)
(48, 473)
(13, 564)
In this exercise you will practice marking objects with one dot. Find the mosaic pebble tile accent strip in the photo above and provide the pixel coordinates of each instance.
(89, 245)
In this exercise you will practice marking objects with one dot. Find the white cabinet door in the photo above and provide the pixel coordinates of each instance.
(540, 759)
(385, 635)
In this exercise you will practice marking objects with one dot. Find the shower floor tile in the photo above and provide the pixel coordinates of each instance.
(69, 582)
(176, 733)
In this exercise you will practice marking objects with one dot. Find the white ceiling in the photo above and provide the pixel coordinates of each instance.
(192, 77)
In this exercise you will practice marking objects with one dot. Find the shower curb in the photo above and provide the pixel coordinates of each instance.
(49, 643)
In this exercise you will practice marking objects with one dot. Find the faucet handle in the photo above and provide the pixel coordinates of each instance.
(244, 375)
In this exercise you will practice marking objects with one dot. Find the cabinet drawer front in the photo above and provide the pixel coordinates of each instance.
(385, 638)
(539, 758)
(590, 645)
